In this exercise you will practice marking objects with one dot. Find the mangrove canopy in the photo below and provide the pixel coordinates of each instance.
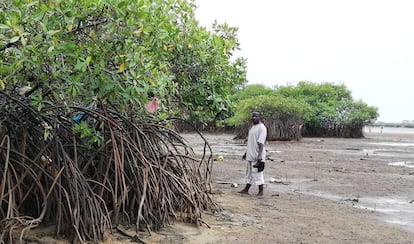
(78, 148)
(307, 109)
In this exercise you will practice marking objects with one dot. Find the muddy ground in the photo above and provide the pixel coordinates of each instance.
(318, 190)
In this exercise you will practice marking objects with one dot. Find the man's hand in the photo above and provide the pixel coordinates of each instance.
(259, 165)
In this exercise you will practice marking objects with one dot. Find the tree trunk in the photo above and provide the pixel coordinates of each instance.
(353, 130)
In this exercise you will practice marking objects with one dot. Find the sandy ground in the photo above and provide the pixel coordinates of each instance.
(318, 190)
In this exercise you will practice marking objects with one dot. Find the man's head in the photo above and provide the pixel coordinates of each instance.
(256, 117)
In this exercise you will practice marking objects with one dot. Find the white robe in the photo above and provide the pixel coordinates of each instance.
(257, 134)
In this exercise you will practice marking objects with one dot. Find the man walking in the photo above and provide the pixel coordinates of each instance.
(255, 154)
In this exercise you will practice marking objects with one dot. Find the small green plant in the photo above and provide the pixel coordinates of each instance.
(86, 132)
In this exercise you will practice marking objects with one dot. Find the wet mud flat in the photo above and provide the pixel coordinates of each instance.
(318, 190)
(322, 190)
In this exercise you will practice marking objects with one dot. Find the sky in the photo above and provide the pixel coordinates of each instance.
(367, 45)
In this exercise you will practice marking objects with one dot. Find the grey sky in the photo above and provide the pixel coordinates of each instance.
(368, 45)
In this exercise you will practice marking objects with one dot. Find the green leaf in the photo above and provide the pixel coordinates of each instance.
(4, 27)
(32, 4)
(52, 32)
(14, 39)
(88, 60)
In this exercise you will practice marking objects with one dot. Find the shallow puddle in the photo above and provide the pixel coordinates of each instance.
(396, 211)
(394, 153)
(403, 164)
(394, 144)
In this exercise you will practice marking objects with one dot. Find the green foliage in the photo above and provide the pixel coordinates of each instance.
(85, 131)
(315, 93)
(330, 102)
(251, 91)
(272, 106)
(120, 51)
(313, 103)
(204, 74)
(355, 112)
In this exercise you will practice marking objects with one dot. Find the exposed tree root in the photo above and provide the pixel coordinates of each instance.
(142, 172)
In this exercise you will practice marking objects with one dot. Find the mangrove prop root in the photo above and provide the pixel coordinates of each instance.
(140, 172)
